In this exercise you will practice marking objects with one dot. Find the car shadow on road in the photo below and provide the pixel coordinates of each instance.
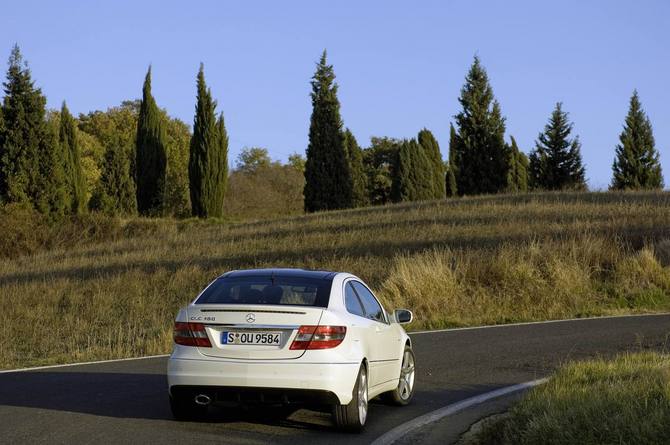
(125, 395)
(144, 396)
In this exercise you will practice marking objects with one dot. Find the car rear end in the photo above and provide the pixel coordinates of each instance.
(263, 337)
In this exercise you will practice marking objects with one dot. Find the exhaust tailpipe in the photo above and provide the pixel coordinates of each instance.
(202, 400)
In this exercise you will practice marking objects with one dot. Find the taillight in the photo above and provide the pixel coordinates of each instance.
(318, 337)
(191, 334)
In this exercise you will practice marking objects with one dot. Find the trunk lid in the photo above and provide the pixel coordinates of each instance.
(223, 318)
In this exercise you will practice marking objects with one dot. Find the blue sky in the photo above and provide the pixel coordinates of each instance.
(400, 64)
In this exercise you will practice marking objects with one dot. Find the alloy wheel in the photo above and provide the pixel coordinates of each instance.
(363, 396)
(406, 383)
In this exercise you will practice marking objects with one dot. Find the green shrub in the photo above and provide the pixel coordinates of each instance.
(22, 230)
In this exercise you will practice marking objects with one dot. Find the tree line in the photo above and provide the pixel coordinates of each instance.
(135, 158)
(339, 174)
(128, 160)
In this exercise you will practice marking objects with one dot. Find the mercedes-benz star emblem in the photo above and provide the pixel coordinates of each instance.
(251, 318)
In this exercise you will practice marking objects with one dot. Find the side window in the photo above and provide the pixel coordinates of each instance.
(352, 302)
(370, 304)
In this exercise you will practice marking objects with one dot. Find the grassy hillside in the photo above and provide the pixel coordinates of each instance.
(625, 400)
(110, 289)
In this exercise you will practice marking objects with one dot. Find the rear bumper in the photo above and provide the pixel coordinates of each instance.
(246, 395)
(230, 380)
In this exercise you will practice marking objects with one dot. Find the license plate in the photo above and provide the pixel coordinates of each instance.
(251, 338)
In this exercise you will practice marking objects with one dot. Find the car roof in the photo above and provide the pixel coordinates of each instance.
(281, 273)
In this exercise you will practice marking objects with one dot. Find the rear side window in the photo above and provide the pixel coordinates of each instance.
(372, 308)
(352, 302)
(280, 291)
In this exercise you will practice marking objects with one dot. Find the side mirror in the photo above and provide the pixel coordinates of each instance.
(403, 316)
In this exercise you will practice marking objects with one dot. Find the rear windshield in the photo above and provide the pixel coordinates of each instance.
(280, 291)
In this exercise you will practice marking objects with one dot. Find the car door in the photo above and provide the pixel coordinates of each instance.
(383, 339)
(364, 328)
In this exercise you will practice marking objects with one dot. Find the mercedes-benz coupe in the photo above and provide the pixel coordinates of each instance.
(290, 337)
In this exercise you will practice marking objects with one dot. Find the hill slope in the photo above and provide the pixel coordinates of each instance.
(458, 262)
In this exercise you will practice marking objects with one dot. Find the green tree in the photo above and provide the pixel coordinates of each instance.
(31, 162)
(178, 137)
(437, 170)
(297, 161)
(118, 125)
(636, 165)
(74, 177)
(98, 129)
(2, 131)
(452, 165)
(115, 192)
(517, 175)
(359, 178)
(208, 162)
(218, 174)
(150, 154)
(328, 183)
(403, 187)
(101, 131)
(271, 191)
(556, 162)
(380, 161)
(480, 144)
(252, 159)
(413, 179)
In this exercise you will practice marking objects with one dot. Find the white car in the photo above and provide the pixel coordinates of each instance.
(289, 337)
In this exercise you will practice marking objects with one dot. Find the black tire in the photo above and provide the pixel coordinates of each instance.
(351, 417)
(404, 392)
(187, 410)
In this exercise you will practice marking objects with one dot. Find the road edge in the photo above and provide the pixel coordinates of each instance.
(65, 365)
(418, 422)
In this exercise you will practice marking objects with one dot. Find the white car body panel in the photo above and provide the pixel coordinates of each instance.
(378, 345)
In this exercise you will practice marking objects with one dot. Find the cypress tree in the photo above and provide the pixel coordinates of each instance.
(115, 192)
(74, 177)
(424, 176)
(218, 173)
(403, 187)
(208, 160)
(328, 183)
(413, 178)
(482, 161)
(556, 162)
(359, 178)
(452, 167)
(31, 162)
(517, 176)
(432, 150)
(637, 164)
(51, 192)
(150, 154)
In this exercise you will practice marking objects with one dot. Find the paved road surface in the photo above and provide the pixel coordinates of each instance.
(126, 401)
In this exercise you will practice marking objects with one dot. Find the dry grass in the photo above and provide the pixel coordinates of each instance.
(458, 262)
(535, 280)
(620, 401)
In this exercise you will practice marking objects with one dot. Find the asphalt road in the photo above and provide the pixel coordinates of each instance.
(127, 402)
